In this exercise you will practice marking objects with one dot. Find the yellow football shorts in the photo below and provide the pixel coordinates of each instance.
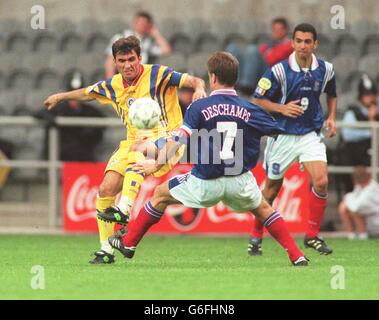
(119, 159)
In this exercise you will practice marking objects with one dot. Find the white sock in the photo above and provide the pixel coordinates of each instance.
(363, 236)
(125, 205)
(351, 236)
(106, 247)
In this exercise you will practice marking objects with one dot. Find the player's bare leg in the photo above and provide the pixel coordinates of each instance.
(108, 189)
(347, 220)
(149, 215)
(270, 192)
(277, 228)
(318, 171)
(360, 226)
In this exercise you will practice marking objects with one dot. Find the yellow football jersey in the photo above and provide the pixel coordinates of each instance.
(155, 81)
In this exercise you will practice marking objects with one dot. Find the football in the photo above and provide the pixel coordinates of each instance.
(144, 113)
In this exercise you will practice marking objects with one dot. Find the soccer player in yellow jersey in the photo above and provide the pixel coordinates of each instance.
(133, 80)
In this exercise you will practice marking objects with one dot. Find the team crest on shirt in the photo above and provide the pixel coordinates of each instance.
(317, 85)
(263, 85)
(130, 101)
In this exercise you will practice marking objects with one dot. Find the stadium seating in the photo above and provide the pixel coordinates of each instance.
(177, 61)
(363, 28)
(62, 25)
(197, 64)
(182, 43)
(370, 65)
(370, 45)
(18, 42)
(34, 62)
(171, 26)
(237, 39)
(350, 84)
(2, 81)
(325, 47)
(207, 42)
(196, 26)
(44, 42)
(97, 42)
(114, 26)
(72, 42)
(347, 43)
(20, 78)
(68, 45)
(88, 26)
(48, 79)
(34, 99)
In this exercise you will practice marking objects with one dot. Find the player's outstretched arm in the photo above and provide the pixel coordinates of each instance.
(79, 95)
(197, 84)
(150, 166)
(290, 109)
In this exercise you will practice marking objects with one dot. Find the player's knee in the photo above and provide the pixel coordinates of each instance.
(271, 190)
(108, 189)
(321, 185)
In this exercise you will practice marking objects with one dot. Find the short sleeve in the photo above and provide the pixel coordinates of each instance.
(98, 92)
(177, 79)
(330, 88)
(268, 86)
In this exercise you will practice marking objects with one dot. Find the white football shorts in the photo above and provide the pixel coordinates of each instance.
(364, 201)
(286, 149)
(240, 193)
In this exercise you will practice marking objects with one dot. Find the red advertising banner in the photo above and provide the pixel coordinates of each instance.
(81, 181)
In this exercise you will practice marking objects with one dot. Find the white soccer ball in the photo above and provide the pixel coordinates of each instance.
(144, 113)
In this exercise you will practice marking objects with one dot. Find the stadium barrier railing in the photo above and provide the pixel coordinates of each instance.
(53, 164)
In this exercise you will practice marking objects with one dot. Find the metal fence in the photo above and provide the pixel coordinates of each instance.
(53, 165)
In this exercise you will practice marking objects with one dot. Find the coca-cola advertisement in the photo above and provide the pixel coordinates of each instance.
(81, 181)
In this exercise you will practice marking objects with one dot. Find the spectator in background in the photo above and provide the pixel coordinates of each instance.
(354, 148)
(153, 44)
(76, 143)
(357, 142)
(360, 205)
(256, 60)
(6, 151)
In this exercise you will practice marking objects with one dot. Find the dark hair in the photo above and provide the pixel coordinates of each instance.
(225, 66)
(281, 20)
(126, 45)
(146, 15)
(305, 27)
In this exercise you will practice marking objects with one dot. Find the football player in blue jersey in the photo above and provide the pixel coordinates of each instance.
(291, 90)
(226, 131)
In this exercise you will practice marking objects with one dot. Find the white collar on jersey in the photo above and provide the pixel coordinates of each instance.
(228, 92)
(295, 66)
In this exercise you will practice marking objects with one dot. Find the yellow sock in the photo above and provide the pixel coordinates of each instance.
(132, 182)
(106, 229)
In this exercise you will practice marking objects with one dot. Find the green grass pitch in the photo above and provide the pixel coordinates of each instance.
(184, 267)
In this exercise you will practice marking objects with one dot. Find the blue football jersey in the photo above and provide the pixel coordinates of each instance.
(286, 81)
(226, 131)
